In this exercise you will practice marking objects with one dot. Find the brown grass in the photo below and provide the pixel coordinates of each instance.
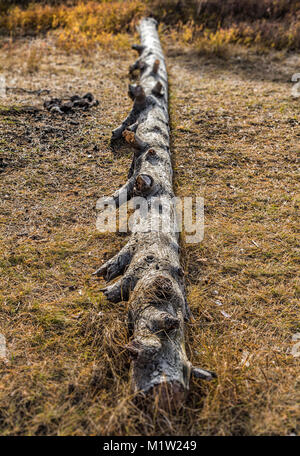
(234, 132)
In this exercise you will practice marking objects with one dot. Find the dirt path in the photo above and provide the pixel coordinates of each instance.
(235, 142)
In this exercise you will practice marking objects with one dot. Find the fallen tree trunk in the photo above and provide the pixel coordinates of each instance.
(153, 280)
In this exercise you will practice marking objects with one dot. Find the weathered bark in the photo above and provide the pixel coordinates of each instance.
(153, 279)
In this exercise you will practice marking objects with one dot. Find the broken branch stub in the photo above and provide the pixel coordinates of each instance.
(153, 280)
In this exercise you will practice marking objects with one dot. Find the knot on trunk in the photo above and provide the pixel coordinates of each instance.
(143, 184)
(132, 139)
(138, 350)
(140, 97)
(158, 89)
(155, 66)
(151, 156)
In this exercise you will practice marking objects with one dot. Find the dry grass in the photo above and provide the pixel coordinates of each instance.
(235, 142)
(79, 27)
(209, 24)
(234, 127)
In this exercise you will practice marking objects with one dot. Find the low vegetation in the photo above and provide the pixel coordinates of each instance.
(207, 24)
(235, 142)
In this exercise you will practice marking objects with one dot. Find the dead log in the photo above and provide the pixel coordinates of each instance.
(153, 279)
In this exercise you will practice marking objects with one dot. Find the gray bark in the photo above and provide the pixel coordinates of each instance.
(153, 280)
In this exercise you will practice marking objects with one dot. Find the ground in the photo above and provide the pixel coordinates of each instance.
(235, 142)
